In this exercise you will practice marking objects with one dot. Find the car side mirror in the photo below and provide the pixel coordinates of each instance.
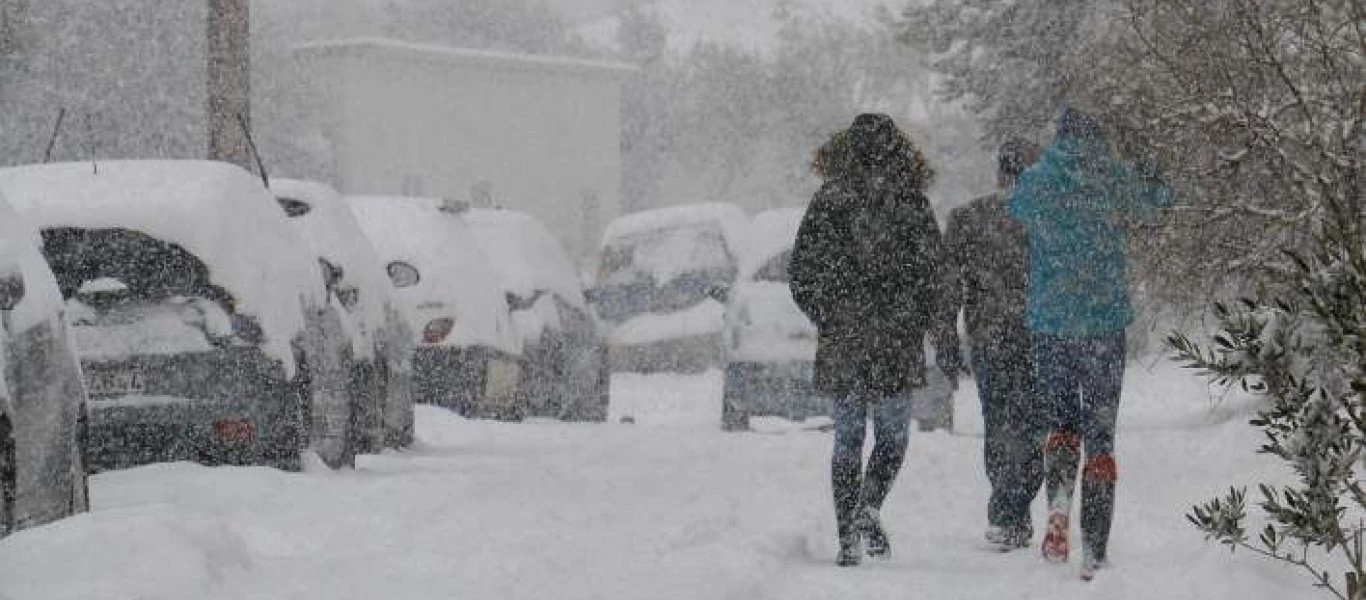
(720, 293)
(349, 296)
(11, 290)
(516, 303)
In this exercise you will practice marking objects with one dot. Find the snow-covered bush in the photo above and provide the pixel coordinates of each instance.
(1305, 352)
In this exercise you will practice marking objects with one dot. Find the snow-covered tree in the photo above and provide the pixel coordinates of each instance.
(1304, 351)
(1251, 108)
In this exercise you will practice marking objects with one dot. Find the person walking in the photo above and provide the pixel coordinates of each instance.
(989, 265)
(1075, 204)
(865, 269)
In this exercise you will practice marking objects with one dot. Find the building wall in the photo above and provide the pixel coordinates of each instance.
(539, 136)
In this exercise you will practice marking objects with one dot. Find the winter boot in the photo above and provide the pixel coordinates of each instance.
(1097, 506)
(851, 550)
(1006, 539)
(874, 536)
(1061, 455)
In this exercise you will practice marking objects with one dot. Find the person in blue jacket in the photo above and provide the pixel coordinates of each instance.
(1076, 204)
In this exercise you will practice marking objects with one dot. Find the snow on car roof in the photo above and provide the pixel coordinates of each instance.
(729, 217)
(332, 231)
(525, 254)
(770, 233)
(451, 265)
(218, 212)
(19, 254)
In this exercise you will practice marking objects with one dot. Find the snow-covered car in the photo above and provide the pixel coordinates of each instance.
(771, 343)
(663, 279)
(381, 355)
(42, 398)
(469, 353)
(199, 315)
(564, 373)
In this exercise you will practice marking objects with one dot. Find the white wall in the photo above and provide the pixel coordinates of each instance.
(419, 120)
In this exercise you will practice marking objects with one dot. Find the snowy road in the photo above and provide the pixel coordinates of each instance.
(547, 510)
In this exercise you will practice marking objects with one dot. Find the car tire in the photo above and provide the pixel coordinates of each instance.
(9, 478)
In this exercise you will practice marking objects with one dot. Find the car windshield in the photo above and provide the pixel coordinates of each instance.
(663, 271)
(666, 254)
(130, 294)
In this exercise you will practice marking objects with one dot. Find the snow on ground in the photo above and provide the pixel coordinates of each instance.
(577, 511)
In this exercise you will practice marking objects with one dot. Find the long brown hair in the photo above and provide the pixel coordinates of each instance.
(839, 157)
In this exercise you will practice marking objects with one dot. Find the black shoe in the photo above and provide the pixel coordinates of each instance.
(1006, 539)
(870, 526)
(851, 551)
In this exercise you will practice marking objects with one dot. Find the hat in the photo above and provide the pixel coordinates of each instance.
(1077, 124)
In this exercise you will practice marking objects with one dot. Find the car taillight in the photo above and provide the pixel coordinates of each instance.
(232, 430)
(436, 331)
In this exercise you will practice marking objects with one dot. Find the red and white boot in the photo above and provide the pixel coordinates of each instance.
(1055, 547)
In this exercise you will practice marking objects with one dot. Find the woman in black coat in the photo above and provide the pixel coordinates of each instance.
(866, 270)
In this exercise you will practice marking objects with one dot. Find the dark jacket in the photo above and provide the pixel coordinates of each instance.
(866, 269)
(989, 261)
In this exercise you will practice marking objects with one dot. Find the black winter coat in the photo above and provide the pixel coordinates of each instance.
(866, 270)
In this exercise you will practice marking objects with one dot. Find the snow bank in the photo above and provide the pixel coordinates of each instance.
(703, 318)
(456, 275)
(216, 211)
(481, 509)
(525, 254)
(331, 231)
(667, 399)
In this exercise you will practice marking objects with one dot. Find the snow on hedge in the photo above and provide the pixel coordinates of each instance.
(457, 278)
(332, 232)
(219, 213)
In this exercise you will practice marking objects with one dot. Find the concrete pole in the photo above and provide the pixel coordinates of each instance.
(229, 81)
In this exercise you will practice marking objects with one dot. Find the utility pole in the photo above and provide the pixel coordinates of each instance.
(229, 81)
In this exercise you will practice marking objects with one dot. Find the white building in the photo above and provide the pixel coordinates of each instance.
(534, 133)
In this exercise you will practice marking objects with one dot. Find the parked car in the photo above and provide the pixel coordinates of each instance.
(199, 315)
(662, 285)
(469, 353)
(771, 343)
(380, 358)
(42, 399)
(564, 373)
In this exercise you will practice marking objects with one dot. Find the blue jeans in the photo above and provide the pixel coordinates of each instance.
(853, 487)
(1081, 379)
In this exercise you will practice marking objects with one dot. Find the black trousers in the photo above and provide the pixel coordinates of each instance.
(1015, 422)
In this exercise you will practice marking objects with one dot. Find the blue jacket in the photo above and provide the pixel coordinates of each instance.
(1075, 203)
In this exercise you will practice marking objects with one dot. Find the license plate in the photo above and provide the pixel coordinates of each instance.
(502, 378)
(109, 382)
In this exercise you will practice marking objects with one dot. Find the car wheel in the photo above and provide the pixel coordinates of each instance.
(9, 476)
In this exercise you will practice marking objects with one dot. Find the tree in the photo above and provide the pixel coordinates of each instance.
(1305, 352)
(228, 78)
(1251, 109)
(648, 105)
